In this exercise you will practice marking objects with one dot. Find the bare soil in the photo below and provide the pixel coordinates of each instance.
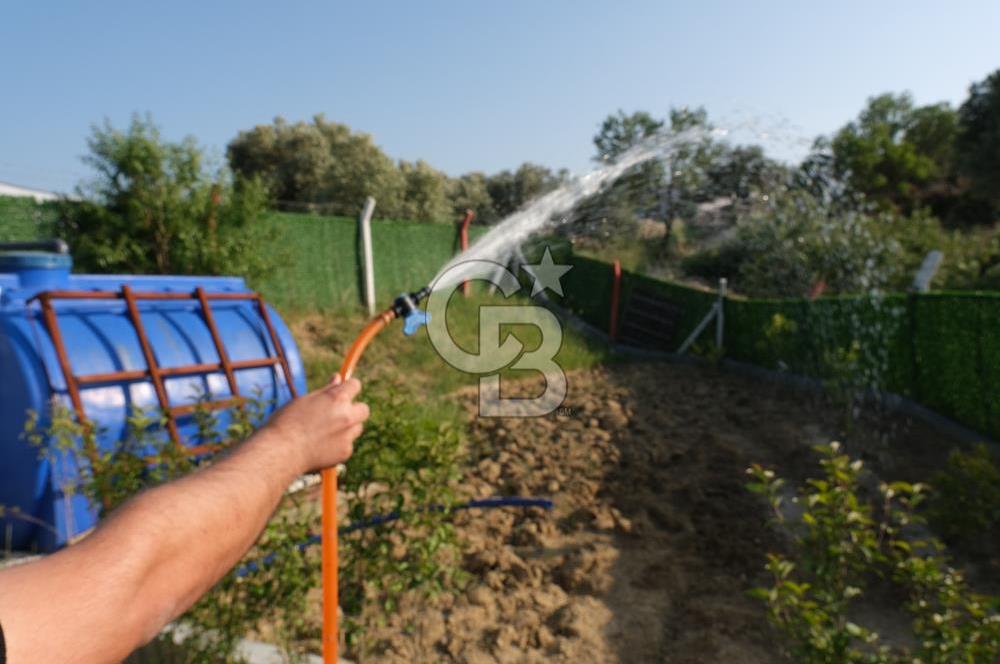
(653, 540)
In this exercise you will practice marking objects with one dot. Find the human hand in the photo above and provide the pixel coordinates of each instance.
(323, 425)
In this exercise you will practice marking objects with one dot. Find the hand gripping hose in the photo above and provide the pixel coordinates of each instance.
(404, 307)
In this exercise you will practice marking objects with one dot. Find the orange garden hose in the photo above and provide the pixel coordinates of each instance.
(331, 633)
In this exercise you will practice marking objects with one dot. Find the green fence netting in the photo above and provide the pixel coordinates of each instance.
(941, 349)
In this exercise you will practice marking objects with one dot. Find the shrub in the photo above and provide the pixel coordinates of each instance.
(406, 463)
(966, 500)
(155, 208)
(841, 546)
(275, 594)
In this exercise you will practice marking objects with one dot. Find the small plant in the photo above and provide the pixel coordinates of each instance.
(274, 594)
(841, 546)
(845, 380)
(779, 336)
(405, 463)
(966, 502)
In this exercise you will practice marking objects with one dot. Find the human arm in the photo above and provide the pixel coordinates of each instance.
(158, 553)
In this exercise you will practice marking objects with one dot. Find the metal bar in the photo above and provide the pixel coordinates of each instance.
(187, 409)
(701, 326)
(720, 320)
(184, 370)
(137, 295)
(232, 296)
(616, 291)
(112, 377)
(256, 364)
(219, 347)
(277, 346)
(365, 223)
(151, 365)
(52, 323)
(72, 387)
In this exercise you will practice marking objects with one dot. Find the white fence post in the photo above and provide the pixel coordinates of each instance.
(369, 261)
(720, 320)
(922, 280)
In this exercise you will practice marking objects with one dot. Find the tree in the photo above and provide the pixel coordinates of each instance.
(897, 155)
(153, 207)
(322, 165)
(619, 132)
(510, 191)
(635, 193)
(470, 192)
(978, 140)
(426, 195)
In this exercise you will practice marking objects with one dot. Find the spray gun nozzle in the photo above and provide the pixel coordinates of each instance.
(406, 307)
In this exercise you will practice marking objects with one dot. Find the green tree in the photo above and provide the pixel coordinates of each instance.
(510, 191)
(426, 194)
(153, 207)
(978, 141)
(319, 165)
(621, 131)
(360, 169)
(897, 155)
(471, 192)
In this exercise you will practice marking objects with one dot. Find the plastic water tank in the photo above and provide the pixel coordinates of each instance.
(99, 337)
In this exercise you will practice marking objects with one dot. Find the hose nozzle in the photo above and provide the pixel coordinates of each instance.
(406, 307)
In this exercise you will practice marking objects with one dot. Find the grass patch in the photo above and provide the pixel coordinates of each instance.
(412, 363)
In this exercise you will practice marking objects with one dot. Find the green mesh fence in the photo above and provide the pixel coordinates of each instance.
(320, 259)
(941, 349)
(23, 219)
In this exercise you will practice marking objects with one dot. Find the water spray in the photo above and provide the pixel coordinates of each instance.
(498, 241)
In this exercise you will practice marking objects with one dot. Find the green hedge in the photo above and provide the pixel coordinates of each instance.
(22, 219)
(941, 349)
(320, 259)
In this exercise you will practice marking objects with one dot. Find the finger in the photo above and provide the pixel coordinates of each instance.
(360, 412)
(348, 390)
(353, 432)
(336, 380)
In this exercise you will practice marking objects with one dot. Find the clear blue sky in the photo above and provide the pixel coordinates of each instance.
(465, 84)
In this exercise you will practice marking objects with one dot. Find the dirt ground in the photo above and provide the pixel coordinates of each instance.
(653, 539)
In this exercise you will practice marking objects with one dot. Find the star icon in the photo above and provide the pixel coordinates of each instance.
(547, 274)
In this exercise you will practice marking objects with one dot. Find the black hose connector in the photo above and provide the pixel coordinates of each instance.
(406, 304)
(55, 246)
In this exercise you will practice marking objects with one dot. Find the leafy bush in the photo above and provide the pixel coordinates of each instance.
(405, 463)
(842, 545)
(798, 240)
(966, 501)
(154, 207)
(275, 594)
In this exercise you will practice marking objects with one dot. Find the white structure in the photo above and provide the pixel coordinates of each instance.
(366, 244)
(7, 189)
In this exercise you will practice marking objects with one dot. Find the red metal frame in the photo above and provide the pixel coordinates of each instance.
(153, 371)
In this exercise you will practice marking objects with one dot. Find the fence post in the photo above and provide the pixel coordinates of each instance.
(616, 291)
(463, 238)
(720, 320)
(369, 261)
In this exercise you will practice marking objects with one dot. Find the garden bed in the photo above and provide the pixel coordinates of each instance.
(653, 540)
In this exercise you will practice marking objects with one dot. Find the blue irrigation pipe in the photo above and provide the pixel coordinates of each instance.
(382, 519)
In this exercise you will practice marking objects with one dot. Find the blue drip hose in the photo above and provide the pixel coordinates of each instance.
(381, 519)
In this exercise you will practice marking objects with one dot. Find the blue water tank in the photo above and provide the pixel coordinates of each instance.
(99, 337)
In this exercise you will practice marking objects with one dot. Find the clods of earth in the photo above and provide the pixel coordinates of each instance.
(653, 540)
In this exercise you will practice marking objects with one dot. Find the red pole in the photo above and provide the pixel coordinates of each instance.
(616, 293)
(463, 236)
